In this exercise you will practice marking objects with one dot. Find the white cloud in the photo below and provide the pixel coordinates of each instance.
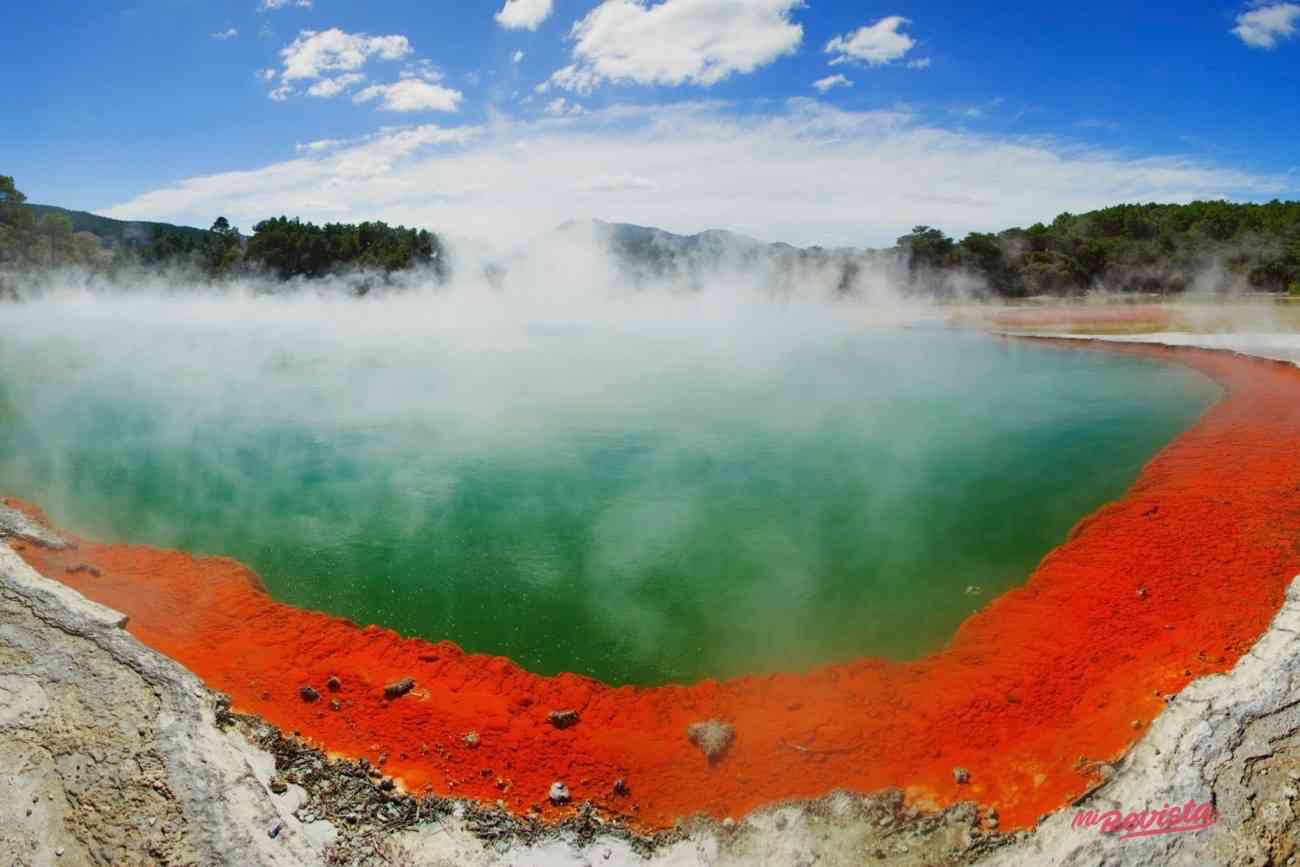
(617, 184)
(319, 146)
(230, 33)
(560, 106)
(875, 44)
(919, 63)
(523, 14)
(315, 53)
(329, 87)
(677, 41)
(830, 81)
(811, 174)
(333, 59)
(271, 5)
(266, 74)
(411, 94)
(518, 56)
(1264, 26)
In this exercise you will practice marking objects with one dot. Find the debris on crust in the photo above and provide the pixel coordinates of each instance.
(712, 736)
(400, 688)
(563, 719)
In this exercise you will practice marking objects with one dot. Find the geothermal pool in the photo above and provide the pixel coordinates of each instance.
(641, 499)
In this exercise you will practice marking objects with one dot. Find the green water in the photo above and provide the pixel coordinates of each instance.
(656, 505)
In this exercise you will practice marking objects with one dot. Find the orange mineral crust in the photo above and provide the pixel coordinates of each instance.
(1175, 580)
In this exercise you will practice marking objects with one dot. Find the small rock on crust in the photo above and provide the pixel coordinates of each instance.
(712, 737)
(334, 684)
(961, 775)
(563, 719)
(620, 787)
(471, 738)
(335, 704)
(307, 694)
(559, 793)
(83, 568)
(278, 785)
(400, 688)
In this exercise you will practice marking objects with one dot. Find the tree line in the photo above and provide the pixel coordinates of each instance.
(286, 248)
(1149, 248)
(1124, 248)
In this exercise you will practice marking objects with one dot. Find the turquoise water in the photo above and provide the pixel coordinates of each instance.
(636, 504)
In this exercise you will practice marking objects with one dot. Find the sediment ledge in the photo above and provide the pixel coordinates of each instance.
(1231, 739)
(112, 754)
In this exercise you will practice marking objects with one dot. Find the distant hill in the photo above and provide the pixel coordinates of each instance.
(132, 233)
(647, 255)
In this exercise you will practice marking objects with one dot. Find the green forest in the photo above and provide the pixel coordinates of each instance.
(1126, 248)
(1151, 248)
(40, 236)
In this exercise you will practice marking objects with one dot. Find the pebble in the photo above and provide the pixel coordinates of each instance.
(471, 739)
(961, 775)
(308, 694)
(563, 719)
(620, 786)
(400, 688)
(334, 684)
(559, 793)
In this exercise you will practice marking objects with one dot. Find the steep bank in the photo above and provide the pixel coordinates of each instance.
(1028, 702)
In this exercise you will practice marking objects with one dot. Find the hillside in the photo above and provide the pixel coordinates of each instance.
(1212, 246)
(129, 232)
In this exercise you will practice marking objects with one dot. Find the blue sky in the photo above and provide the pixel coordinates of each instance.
(482, 119)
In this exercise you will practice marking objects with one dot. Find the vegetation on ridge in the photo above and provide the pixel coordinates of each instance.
(1127, 248)
(1151, 248)
(42, 236)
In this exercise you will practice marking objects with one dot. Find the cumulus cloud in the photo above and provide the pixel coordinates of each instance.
(315, 53)
(830, 81)
(1266, 25)
(328, 87)
(230, 33)
(523, 14)
(919, 63)
(411, 94)
(812, 174)
(332, 60)
(518, 56)
(677, 41)
(874, 44)
(560, 106)
(272, 5)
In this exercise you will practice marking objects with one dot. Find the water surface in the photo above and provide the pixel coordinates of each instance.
(636, 501)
